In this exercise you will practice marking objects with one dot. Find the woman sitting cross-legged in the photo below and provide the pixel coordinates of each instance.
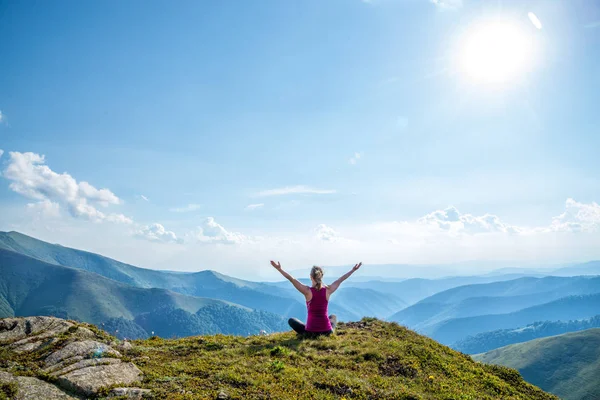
(317, 300)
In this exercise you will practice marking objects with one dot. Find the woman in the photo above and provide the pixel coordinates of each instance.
(317, 300)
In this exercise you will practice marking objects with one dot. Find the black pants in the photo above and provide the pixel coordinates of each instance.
(300, 328)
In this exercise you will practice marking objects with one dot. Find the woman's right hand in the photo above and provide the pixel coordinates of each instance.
(276, 265)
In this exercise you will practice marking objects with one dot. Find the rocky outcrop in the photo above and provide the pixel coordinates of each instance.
(33, 388)
(65, 360)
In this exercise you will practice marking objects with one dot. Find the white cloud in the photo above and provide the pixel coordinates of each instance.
(326, 233)
(33, 179)
(1, 152)
(189, 208)
(578, 217)
(254, 206)
(298, 189)
(45, 208)
(211, 232)
(447, 4)
(144, 197)
(354, 159)
(1, 116)
(453, 221)
(157, 233)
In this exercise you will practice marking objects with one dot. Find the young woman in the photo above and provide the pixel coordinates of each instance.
(317, 300)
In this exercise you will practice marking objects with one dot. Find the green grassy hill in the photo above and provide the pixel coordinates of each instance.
(567, 365)
(31, 287)
(365, 360)
(369, 359)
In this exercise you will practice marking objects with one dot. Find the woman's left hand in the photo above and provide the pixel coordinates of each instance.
(277, 265)
(356, 267)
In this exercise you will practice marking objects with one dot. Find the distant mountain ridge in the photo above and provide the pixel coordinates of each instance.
(278, 299)
(571, 307)
(488, 341)
(492, 298)
(207, 284)
(32, 287)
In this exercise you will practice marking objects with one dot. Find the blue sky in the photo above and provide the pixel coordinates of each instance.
(346, 124)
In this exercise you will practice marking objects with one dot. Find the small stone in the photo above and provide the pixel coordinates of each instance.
(125, 346)
(222, 396)
(131, 393)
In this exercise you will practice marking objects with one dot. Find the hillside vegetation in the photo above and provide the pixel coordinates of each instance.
(365, 360)
(567, 365)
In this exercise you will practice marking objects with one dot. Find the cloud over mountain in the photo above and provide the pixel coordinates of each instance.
(577, 217)
(212, 232)
(32, 178)
(453, 221)
(157, 233)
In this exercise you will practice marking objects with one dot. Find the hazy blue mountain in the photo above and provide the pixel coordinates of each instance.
(572, 307)
(588, 268)
(208, 284)
(492, 298)
(567, 365)
(487, 341)
(29, 286)
(414, 290)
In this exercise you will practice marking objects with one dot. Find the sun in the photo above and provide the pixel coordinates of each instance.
(496, 52)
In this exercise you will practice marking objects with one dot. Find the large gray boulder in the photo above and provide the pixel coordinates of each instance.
(33, 388)
(28, 329)
(85, 349)
(79, 363)
(89, 380)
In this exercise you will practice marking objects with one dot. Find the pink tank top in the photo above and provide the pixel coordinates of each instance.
(318, 316)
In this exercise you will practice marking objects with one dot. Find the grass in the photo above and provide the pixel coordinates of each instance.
(366, 360)
(369, 359)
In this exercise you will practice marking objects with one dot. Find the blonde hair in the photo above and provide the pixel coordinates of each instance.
(317, 274)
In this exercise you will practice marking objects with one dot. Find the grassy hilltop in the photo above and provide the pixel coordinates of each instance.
(370, 359)
(567, 364)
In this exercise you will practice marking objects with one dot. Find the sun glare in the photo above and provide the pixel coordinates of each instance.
(496, 52)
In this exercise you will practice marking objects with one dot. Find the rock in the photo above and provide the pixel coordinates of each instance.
(84, 364)
(126, 346)
(89, 380)
(82, 367)
(31, 328)
(85, 348)
(33, 388)
(62, 364)
(131, 393)
(222, 396)
(83, 334)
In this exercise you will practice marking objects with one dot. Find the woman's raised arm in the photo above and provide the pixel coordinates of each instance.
(305, 290)
(335, 285)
